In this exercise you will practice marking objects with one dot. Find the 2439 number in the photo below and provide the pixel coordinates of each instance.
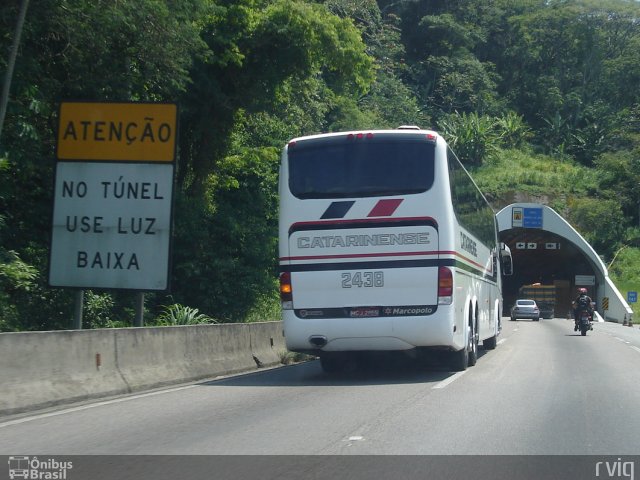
(363, 279)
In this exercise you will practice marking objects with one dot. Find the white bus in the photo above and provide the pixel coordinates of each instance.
(386, 244)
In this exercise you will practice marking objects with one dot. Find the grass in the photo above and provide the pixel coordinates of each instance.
(266, 309)
(539, 175)
(288, 358)
(625, 273)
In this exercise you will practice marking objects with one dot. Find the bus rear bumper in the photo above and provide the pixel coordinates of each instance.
(369, 334)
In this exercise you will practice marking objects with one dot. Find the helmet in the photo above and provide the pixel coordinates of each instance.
(582, 290)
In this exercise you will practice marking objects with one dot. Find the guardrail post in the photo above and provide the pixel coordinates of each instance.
(77, 310)
(139, 319)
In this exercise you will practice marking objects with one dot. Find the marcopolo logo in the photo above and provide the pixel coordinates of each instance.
(409, 310)
(616, 469)
(38, 469)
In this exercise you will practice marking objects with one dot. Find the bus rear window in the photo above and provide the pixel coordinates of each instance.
(339, 168)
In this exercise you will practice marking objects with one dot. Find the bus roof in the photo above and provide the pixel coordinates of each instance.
(400, 131)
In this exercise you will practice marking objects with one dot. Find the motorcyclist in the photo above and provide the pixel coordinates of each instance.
(581, 303)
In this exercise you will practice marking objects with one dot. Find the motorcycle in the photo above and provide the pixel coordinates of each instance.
(584, 323)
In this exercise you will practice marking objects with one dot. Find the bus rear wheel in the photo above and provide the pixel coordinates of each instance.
(468, 356)
(460, 360)
(473, 345)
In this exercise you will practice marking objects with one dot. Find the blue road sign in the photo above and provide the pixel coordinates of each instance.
(532, 218)
(632, 297)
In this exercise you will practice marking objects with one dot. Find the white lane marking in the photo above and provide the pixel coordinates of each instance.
(635, 348)
(356, 438)
(92, 405)
(449, 380)
(501, 341)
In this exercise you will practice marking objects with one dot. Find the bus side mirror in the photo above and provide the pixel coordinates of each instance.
(506, 261)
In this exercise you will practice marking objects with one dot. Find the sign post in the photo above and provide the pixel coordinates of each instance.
(112, 215)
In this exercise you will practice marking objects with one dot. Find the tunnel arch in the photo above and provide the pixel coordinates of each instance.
(546, 249)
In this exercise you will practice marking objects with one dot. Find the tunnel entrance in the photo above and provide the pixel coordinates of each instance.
(541, 257)
(547, 251)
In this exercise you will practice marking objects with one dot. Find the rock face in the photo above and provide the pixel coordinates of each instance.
(558, 203)
(524, 197)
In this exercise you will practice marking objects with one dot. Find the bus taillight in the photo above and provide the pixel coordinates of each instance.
(445, 286)
(359, 136)
(286, 291)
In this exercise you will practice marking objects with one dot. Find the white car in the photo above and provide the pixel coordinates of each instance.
(525, 308)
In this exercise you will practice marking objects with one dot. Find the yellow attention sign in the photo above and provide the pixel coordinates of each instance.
(134, 132)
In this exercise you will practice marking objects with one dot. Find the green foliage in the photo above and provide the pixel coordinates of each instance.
(625, 272)
(600, 221)
(389, 102)
(225, 248)
(14, 273)
(568, 76)
(346, 115)
(619, 178)
(444, 44)
(138, 50)
(266, 307)
(536, 176)
(97, 310)
(473, 137)
(539, 98)
(257, 53)
(177, 314)
(512, 130)
(15, 276)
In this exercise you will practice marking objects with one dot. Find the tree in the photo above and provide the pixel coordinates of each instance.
(442, 40)
(619, 175)
(75, 49)
(473, 137)
(255, 50)
(225, 247)
(390, 102)
(573, 63)
(600, 221)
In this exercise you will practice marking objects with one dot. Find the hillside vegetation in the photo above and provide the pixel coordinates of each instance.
(540, 99)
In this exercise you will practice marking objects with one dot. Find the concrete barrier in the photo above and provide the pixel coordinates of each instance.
(41, 369)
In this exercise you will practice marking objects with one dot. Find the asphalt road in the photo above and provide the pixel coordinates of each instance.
(545, 390)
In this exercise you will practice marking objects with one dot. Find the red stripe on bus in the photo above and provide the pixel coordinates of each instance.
(385, 208)
(319, 223)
